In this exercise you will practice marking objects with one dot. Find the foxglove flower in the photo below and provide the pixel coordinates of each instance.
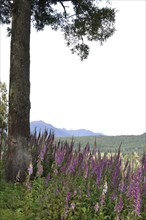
(96, 207)
(59, 156)
(105, 188)
(137, 198)
(67, 197)
(18, 176)
(39, 169)
(47, 179)
(72, 205)
(114, 196)
(98, 177)
(86, 171)
(102, 198)
(75, 192)
(134, 192)
(43, 151)
(119, 205)
(30, 169)
(122, 186)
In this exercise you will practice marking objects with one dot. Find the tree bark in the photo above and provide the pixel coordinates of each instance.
(18, 155)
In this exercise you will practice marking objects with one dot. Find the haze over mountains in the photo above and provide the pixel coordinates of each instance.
(60, 132)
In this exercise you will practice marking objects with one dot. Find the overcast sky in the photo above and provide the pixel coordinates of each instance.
(105, 93)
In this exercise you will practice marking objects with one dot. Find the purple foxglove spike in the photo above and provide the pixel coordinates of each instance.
(94, 150)
(72, 205)
(30, 169)
(96, 207)
(102, 198)
(98, 177)
(39, 169)
(119, 206)
(75, 192)
(48, 177)
(67, 197)
(86, 171)
(137, 195)
(122, 186)
(113, 196)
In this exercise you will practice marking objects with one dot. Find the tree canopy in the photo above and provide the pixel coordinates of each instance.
(79, 20)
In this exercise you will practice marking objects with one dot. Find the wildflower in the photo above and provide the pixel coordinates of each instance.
(59, 157)
(137, 199)
(102, 198)
(65, 213)
(98, 177)
(40, 169)
(43, 151)
(134, 192)
(18, 176)
(86, 171)
(115, 175)
(105, 187)
(75, 192)
(67, 204)
(72, 205)
(67, 197)
(56, 172)
(114, 196)
(30, 169)
(47, 179)
(96, 207)
(119, 205)
(122, 186)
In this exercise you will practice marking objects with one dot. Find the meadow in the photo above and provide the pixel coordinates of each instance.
(69, 181)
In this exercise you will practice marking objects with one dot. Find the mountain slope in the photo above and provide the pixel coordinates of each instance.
(41, 126)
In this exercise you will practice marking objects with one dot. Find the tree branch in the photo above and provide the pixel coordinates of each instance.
(63, 8)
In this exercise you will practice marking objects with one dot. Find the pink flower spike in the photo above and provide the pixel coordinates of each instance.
(72, 205)
(30, 169)
(96, 207)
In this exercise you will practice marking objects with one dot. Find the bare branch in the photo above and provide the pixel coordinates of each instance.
(63, 8)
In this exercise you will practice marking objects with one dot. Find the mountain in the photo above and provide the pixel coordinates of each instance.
(60, 132)
(42, 126)
(81, 132)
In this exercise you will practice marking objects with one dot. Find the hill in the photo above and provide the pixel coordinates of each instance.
(129, 143)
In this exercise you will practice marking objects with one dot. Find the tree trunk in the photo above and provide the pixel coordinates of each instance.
(18, 155)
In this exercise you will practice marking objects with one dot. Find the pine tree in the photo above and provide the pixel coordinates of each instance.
(80, 21)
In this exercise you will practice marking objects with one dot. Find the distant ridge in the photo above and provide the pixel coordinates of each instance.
(60, 132)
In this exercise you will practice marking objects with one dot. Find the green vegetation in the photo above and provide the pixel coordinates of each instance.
(129, 143)
(67, 183)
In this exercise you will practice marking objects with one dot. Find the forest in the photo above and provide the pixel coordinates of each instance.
(129, 143)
